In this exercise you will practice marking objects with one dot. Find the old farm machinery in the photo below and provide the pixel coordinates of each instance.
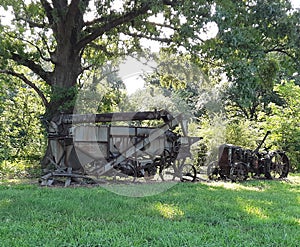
(236, 163)
(115, 146)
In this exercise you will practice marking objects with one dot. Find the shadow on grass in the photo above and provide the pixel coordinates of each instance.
(253, 213)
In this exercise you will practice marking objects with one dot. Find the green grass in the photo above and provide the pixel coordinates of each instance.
(254, 213)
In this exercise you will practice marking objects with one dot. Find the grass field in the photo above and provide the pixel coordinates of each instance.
(253, 213)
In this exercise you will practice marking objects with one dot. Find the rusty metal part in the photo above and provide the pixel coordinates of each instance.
(117, 116)
(262, 142)
(238, 172)
(237, 164)
(279, 165)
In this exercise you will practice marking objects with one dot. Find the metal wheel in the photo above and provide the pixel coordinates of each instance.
(165, 163)
(120, 177)
(213, 171)
(169, 174)
(188, 173)
(279, 167)
(126, 173)
(238, 172)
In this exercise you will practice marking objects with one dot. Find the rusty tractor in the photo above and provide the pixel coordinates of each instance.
(237, 164)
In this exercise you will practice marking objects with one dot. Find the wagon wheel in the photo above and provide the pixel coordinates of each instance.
(238, 172)
(279, 167)
(150, 170)
(122, 175)
(188, 173)
(169, 174)
(213, 171)
(166, 170)
(286, 165)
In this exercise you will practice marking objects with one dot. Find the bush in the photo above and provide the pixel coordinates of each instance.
(284, 122)
(243, 133)
(19, 169)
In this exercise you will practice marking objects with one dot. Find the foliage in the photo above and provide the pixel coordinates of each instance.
(102, 91)
(50, 45)
(199, 155)
(255, 48)
(21, 135)
(284, 121)
(22, 139)
(243, 133)
(253, 213)
(19, 168)
(185, 82)
(57, 48)
(149, 99)
(58, 43)
(212, 131)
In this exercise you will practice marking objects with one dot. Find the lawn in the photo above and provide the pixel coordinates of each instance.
(253, 213)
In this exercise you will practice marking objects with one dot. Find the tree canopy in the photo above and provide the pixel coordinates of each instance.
(49, 45)
(257, 45)
(56, 41)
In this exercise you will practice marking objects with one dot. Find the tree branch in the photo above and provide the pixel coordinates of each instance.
(28, 82)
(48, 9)
(102, 48)
(34, 45)
(281, 50)
(60, 7)
(31, 43)
(48, 48)
(95, 21)
(137, 35)
(75, 8)
(36, 68)
(112, 23)
(241, 108)
(32, 23)
(172, 3)
(161, 25)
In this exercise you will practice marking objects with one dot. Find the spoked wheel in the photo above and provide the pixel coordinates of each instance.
(279, 167)
(150, 171)
(168, 174)
(238, 172)
(166, 171)
(188, 173)
(184, 172)
(125, 172)
(213, 171)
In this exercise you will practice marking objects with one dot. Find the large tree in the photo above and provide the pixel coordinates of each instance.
(56, 41)
(50, 44)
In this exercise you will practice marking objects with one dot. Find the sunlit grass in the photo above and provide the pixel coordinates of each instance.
(4, 202)
(252, 213)
(238, 186)
(294, 178)
(251, 208)
(169, 211)
(15, 181)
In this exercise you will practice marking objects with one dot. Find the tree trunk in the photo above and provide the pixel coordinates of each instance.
(67, 27)
(60, 149)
